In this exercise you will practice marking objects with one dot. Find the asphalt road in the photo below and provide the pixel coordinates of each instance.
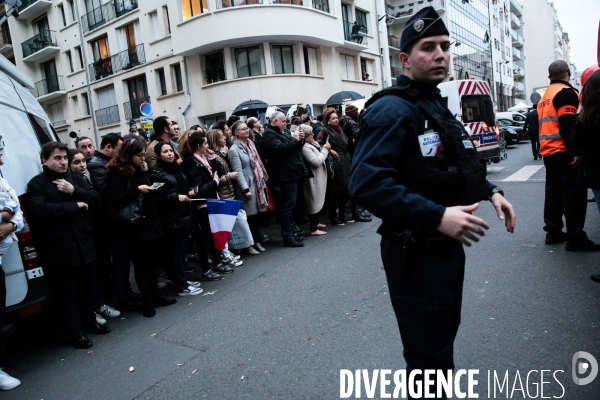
(288, 320)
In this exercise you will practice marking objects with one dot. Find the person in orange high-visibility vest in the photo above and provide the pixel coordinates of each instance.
(557, 117)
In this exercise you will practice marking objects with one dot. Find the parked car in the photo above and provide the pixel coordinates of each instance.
(511, 137)
(513, 116)
(25, 128)
(515, 126)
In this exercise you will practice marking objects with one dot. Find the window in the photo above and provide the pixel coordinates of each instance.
(366, 69)
(347, 67)
(247, 61)
(167, 21)
(361, 18)
(78, 49)
(191, 8)
(214, 67)
(154, 22)
(283, 59)
(85, 105)
(130, 36)
(160, 75)
(70, 58)
(310, 61)
(72, 8)
(176, 77)
(55, 112)
(478, 108)
(208, 120)
(62, 14)
(100, 48)
(322, 5)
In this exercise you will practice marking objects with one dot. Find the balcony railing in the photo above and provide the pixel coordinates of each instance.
(515, 21)
(49, 85)
(38, 42)
(405, 11)
(353, 33)
(5, 38)
(132, 108)
(108, 116)
(393, 41)
(238, 3)
(519, 87)
(106, 12)
(396, 72)
(517, 53)
(26, 3)
(124, 60)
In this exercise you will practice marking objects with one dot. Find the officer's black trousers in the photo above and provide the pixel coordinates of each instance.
(534, 138)
(564, 197)
(425, 285)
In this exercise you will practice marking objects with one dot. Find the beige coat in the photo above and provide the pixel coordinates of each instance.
(315, 188)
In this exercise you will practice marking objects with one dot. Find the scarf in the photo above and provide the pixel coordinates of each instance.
(174, 169)
(204, 161)
(260, 174)
(337, 129)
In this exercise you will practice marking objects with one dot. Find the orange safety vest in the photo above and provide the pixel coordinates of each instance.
(550, 140)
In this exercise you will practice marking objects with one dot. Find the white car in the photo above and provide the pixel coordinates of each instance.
(512, 115)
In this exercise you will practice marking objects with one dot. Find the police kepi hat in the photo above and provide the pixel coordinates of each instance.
(424, 23)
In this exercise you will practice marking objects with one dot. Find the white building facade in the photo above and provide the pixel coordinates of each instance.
(518, 51)
(193, 60)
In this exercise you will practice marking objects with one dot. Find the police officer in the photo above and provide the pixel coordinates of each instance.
(416, 168)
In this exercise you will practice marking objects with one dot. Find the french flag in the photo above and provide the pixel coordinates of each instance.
(222, 215)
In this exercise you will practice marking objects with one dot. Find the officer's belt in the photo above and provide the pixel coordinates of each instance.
(412, 238)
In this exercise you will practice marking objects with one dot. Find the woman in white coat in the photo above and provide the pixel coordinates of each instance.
(315, 187)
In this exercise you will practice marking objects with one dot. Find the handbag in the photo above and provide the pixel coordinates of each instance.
(132, 213)
(334, 168)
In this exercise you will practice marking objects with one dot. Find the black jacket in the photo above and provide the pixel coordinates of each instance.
(531, 122)
(62, 231)
(121, 191)
(587, 143)
(198, 175)
(97, 168)
(258, 143)
(175, 215)
(352, 130)
(283, 154)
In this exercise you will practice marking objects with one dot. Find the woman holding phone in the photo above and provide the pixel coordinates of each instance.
(203, 174)
(126, 180)
(176, 215)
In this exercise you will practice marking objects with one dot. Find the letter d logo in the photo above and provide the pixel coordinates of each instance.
(582, 367)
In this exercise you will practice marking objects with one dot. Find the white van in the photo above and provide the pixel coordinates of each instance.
(471, 103)
(24, 128)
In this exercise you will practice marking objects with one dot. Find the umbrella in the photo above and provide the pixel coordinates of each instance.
(250, 107)
(343, 96)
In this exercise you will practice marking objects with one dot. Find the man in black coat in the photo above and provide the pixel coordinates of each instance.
(284, 159)
(109, 148)
(532, 126)
(58, 213)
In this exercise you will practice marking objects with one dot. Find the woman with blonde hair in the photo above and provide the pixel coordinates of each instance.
(315, 187)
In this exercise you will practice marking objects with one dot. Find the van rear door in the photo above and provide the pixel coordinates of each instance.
(478, 118)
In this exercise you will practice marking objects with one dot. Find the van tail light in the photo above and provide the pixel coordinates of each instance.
(27, 248)
(32, 309)
(497, 132)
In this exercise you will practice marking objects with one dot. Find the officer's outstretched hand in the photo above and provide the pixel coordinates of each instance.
(460, 224)
(505, 211)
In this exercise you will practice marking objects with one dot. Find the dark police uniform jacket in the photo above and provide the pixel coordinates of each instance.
(390, 127)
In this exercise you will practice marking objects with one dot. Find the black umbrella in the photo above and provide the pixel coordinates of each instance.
(250, 107)
(343, 96)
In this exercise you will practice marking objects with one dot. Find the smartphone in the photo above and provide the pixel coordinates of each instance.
(194, 189)
(157, 185)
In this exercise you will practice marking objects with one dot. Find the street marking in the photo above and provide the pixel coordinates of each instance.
(524, 173)
(491, 170)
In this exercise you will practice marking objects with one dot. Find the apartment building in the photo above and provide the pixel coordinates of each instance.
(279, 51)
(544, 36)
(518, 52)
(193, 60)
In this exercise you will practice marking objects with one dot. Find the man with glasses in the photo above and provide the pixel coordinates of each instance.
(165, 132)
(175, 139)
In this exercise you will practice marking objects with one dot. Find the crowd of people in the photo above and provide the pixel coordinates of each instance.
(94, 212)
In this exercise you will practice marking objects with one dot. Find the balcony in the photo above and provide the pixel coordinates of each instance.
(5, 40)
(519, 87)
(40, 47)
(30, 8)
(322, 6)
(394, 43)
(122, 61)
(105, 13)
(517, 40)
(49, 88)
(519, 72)
(515, 21)
(354, 35)
(132, 108)
(396, 72)
(108, 116)
(516, 54)
(404, 12)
